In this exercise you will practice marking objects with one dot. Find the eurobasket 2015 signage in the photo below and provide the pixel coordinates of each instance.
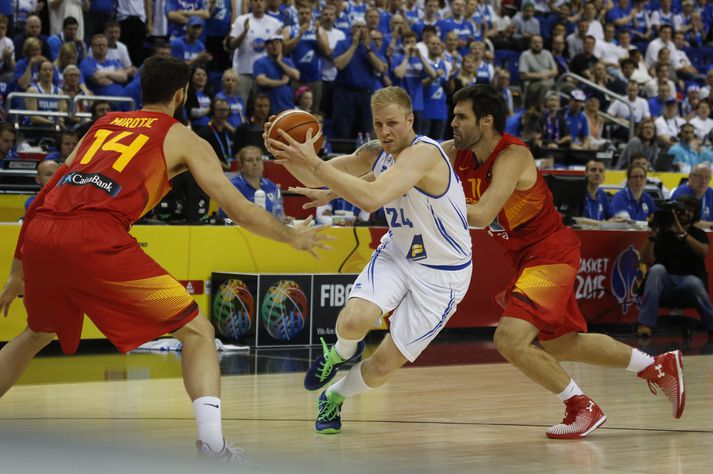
(267, 310)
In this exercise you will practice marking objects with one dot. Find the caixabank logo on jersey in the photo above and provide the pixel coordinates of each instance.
(97, 180)
(627, 278)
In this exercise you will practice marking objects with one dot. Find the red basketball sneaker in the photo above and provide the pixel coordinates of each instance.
(667, 373)
(581, 417)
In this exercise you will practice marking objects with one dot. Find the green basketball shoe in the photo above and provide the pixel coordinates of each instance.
(325, 367)
(329, 407)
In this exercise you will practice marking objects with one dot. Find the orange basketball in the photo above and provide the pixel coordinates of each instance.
(296, 123)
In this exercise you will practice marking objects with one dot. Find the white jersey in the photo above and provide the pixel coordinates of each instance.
(427, 229)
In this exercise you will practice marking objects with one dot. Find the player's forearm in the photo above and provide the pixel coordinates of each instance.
(359, 192)
(304, 175)
(16, 269)
(258, 221)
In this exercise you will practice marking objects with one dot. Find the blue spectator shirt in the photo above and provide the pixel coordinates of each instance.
(182, 49)
(237, 108)
(434, 95)
(103, 6)
(56, 41)
(617, 13)
(344, 23)
(306, 57)
(656, 106)
(412, 80)
(280, 97)
(248, 191)
(513, 124)
(485, 73)
(624, 201)
(685, 155)
(204, 104)
(219, 22)
(285, 14)
(21, 65)
(597, 208)
(706, 200)
(174, 29)
(577, 125)
(90, 65)
(358, 73)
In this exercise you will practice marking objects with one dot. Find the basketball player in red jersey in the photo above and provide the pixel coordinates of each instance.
(76, 256)
(507, 194)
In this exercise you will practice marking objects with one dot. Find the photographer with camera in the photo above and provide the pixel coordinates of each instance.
(698, 186)
(676, 252)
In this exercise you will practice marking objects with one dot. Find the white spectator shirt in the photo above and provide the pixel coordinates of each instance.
(639, 106)
(652, 51)
(609, 52)
(159, 26)
(253, 46)
(679, 59)
(651, 89)
(670, 127)
(67, 8)
(6, 43)
(129, 8)
(329, 70)
(119, 53)
(703, 126)
(596, 30)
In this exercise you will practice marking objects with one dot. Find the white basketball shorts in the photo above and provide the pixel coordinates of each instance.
(424, 298)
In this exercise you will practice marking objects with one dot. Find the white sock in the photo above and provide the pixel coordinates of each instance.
(346, 348)
(210, 431)
(352, 384)
(639, 361)
(572, 390)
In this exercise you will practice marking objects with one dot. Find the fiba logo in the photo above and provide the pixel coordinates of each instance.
(626, 277)
(284, 310)
(233, 309)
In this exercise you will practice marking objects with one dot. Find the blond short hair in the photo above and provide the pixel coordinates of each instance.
(391, 95)
(247, 149)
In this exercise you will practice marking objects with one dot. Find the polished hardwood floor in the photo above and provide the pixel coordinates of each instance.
(461, 409)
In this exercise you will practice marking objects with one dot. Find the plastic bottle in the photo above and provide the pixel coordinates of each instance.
(359, 140)
(260, 199)
(278, 209)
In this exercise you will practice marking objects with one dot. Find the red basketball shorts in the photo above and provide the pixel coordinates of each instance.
(542, 291)
(89, 264)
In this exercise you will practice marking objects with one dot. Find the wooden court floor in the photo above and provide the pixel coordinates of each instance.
(458, 418)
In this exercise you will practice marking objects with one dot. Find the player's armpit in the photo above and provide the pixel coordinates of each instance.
(450, 150)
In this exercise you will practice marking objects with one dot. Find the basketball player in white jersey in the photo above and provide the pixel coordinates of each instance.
(422, 268)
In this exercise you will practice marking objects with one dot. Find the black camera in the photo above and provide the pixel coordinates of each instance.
(663, 216)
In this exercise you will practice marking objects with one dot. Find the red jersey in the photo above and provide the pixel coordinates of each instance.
(528, 217)
(119, 170)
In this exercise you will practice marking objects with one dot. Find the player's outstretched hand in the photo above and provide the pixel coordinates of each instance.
(294, 152)
(319, 197)
(310, 238)
(13, 288)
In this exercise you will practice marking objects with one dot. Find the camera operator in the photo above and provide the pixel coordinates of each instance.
(678, 274)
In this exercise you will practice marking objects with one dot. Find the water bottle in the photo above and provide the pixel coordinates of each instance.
(278, 209)
(359, 140)
(260, 199)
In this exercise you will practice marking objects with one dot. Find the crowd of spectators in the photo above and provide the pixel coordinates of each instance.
(644, 63)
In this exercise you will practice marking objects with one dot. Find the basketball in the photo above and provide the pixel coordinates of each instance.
(233, 309)
(284, 310)
(296, 123)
